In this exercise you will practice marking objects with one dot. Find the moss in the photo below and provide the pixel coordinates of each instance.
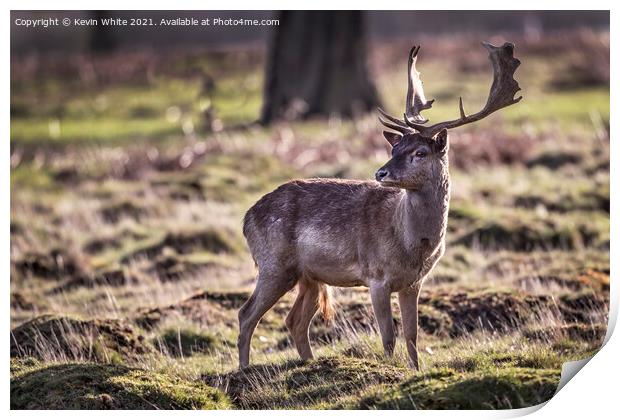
(61, 337)
(448, 389)
(37, 386)
(23, 364)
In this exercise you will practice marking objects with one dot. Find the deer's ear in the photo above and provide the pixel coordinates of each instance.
(441, 141)
(392, 138)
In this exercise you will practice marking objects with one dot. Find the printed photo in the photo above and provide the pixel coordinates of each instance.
(259, 210)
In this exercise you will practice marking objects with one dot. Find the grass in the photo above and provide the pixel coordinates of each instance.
(85, 130)
(185, 342)
(89, 386)
(128, 264)
(66, 338)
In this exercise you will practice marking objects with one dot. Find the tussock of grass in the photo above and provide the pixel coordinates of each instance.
(213, 240)
(458, 313)
(446, 389)
(112, 213)
(185, 342)
(53, 265)
(36, 386)
(313, 384)
(495, 381)
(593, 333)
(204, 308)
(522, 232)
(50, 337)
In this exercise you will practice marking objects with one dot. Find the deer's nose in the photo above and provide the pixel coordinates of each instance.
(381, 173)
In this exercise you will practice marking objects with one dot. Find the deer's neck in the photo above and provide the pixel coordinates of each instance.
(423, 215)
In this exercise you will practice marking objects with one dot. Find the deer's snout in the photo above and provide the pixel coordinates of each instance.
(381, 174)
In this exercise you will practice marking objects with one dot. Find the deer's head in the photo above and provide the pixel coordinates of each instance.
(419, 152)
(415, 161)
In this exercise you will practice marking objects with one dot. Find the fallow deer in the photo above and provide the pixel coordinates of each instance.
(386, 234)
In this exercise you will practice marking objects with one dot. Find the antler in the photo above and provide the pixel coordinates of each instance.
(393, 123)
(416, 101)
(501, 95)
(502, 91)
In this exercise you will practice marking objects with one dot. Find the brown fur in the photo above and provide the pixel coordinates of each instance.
(325, 302)
(385, 235)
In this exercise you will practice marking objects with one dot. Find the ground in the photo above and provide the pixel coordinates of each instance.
(130, 175)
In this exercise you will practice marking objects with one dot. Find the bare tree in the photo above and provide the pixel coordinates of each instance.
(101, 37)
(317, 66)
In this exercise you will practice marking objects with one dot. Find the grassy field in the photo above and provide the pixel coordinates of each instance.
(130, 175)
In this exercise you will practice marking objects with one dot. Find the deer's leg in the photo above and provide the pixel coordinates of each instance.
(269, 289)
(299, 319)
(380, 297)
(408, 302)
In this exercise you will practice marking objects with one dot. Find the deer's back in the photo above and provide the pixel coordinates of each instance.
(323, 222)
(328, 203)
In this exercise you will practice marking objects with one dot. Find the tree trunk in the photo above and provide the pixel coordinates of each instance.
(101, 37)
(317, 66)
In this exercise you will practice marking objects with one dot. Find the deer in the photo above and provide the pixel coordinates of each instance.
(386, 235)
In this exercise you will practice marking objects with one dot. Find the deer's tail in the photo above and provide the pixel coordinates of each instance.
(325, 301)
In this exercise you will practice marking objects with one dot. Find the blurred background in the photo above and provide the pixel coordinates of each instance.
(378, 25)
(136, 151)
